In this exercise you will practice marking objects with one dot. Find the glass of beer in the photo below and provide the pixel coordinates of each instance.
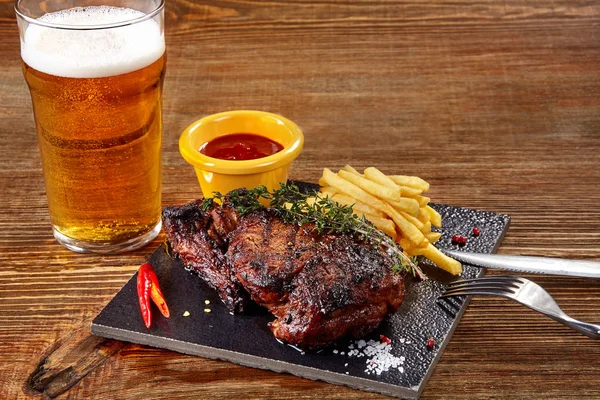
(95, 73)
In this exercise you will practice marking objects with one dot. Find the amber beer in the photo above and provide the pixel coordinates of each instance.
(98, 118)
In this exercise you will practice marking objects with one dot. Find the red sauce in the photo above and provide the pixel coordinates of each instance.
(240, 146)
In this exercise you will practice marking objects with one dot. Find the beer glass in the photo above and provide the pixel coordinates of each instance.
(95, 72)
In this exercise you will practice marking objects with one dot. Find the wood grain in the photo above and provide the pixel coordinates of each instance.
(69, 360)
(495, 103)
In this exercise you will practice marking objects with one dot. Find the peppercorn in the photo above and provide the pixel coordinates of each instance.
(430, 343)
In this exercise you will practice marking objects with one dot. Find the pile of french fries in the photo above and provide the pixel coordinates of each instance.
(395, 204)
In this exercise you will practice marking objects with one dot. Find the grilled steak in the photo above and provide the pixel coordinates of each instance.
(319, 287)
(199, 239)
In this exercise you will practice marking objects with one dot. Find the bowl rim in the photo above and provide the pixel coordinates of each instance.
(242, 167)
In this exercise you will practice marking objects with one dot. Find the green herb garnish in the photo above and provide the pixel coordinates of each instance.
(207, 202)
(293, 207)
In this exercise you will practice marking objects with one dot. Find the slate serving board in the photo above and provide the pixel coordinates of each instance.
(246, 339)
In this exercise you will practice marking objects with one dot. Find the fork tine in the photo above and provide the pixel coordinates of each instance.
(469, 292)
(512, 281)
(502, 278)
(531, 295)
(508, 287)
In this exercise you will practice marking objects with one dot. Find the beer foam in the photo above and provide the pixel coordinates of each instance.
(92, 53)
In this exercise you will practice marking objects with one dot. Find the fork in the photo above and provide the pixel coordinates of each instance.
(522, 291)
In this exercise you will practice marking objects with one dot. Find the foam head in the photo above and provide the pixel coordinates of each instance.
(94, 53)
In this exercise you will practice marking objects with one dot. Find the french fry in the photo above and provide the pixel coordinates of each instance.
(410, 249)
(357, 206)
(412, 220)
(433, 236)
(442, 260)
(422, 200)
(410, 206)
(426, 228)
(383, 224)
(415, 251)
(329, 191)
(408, 191)
(408, 230)
(368, 186)
(436, 218)
(395, 205)
(405, 244)
(375, 175)
(412, 181)
(352, 190)
(348, 168)
(424, 215)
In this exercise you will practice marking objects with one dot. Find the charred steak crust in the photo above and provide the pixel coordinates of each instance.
(196, 236)
(319, 287)
(261, 252)
(347, 289)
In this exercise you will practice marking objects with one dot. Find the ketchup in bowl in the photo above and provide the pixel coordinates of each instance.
(240, 146)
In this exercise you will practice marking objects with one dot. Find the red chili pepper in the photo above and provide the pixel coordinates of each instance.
(148, 288)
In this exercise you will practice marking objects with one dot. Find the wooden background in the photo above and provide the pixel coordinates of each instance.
(495, 103)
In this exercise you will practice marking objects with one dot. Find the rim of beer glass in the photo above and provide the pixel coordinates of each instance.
(119, 24)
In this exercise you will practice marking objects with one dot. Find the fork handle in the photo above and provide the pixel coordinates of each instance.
(589, 330)
(553, 310)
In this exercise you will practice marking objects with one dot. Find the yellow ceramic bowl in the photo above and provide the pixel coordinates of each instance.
(216, 175)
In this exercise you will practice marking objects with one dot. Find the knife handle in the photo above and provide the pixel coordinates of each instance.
(530, 264)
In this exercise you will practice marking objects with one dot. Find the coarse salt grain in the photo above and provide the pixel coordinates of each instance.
(379, 356)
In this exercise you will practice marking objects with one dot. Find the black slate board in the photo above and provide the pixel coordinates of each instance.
(246, 339)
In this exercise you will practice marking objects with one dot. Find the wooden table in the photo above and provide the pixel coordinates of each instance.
(495, 103)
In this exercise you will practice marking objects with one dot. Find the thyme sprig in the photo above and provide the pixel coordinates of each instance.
(294, 207)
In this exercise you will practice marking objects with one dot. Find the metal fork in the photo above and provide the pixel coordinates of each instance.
(523, 291)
